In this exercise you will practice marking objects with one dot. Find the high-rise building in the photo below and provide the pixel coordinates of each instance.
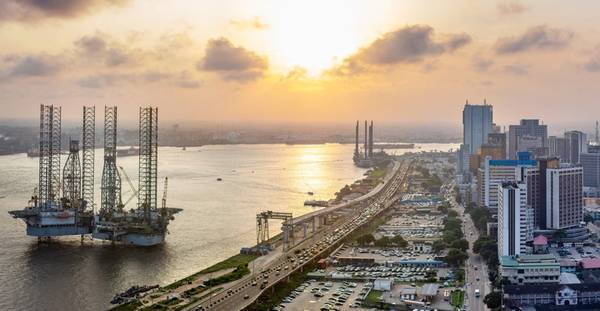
(495, 172)
(555, 192)
(529, 135)
(557, 147)
(591, 169)
(499, 140)
(564, 197)
(477, 125)
(515, 219)
(486, 150)
(576, 144)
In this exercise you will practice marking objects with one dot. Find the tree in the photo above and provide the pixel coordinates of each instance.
(461, 244)
(588, 218)
(493, 300)
(559, 234)
(438, 245)
(456, 257)
(452, 214)
(399, 241)
(383, 242)
(365, 239)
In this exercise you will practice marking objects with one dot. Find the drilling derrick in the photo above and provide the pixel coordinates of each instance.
(148, 140)
(49, 169)
(111, 181)
(88, 154)
(71, 183)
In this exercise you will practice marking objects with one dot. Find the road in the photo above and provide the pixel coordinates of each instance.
(249, 288)
(476, 276)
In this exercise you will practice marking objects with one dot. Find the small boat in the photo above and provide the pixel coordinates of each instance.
(219, 179)
(310, 193)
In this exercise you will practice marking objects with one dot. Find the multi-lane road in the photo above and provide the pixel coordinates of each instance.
(247, 290)
(476, 276)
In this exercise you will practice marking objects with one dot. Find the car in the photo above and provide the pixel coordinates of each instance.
(246, 296)
(254, 283)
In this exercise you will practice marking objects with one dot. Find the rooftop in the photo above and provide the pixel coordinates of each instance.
(590, 263)
(533, 260)
(540, 240)
(568, 278)
(429, 289)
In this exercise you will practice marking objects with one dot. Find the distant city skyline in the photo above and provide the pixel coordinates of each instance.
(304, 62)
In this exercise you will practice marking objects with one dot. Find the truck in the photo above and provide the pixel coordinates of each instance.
(477, 293)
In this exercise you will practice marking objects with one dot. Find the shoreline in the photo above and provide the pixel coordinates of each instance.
(175, 289)
(274, 143)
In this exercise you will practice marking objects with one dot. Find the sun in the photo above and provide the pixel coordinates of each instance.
(314, 34)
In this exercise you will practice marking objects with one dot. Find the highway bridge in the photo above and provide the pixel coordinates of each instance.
(246, 291)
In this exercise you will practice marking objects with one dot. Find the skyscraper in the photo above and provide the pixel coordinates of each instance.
(477, 124)
(576, 144)
(529, 135)
(564, 197)
(591, 169)
(555, 192)
(557, 147)
(515, 219)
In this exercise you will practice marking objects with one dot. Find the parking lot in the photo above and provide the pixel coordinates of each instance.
(326, 295)
(576, 253)
(384, 255)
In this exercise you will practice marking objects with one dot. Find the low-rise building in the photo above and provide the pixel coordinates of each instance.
(530, 269)
(586, 295)
(383, 284)
(408, 293)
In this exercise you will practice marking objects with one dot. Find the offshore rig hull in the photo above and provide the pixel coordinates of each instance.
(54, 223)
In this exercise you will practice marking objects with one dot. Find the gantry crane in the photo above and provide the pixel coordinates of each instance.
(262, 227)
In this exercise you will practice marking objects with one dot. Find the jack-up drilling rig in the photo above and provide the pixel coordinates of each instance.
(49, 213)
(147, 224)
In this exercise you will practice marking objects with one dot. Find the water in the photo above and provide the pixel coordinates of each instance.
(218, 219)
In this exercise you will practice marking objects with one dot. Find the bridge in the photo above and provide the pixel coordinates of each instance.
(246, 291)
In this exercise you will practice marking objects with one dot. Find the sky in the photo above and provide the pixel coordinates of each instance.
(398, 62)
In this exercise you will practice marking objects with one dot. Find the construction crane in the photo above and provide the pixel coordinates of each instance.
(133, 190)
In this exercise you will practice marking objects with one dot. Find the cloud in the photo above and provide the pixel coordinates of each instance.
(517, 69)
(457, 41)
(105, 80)
(410, 44)
(296, 73)
(232, 63)
(535, 38)
(17, 66)
(101, 47)
(511, 8)
(593, 63)
(101, 80)
(34, 10)
(254, 23)
(482, 64)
